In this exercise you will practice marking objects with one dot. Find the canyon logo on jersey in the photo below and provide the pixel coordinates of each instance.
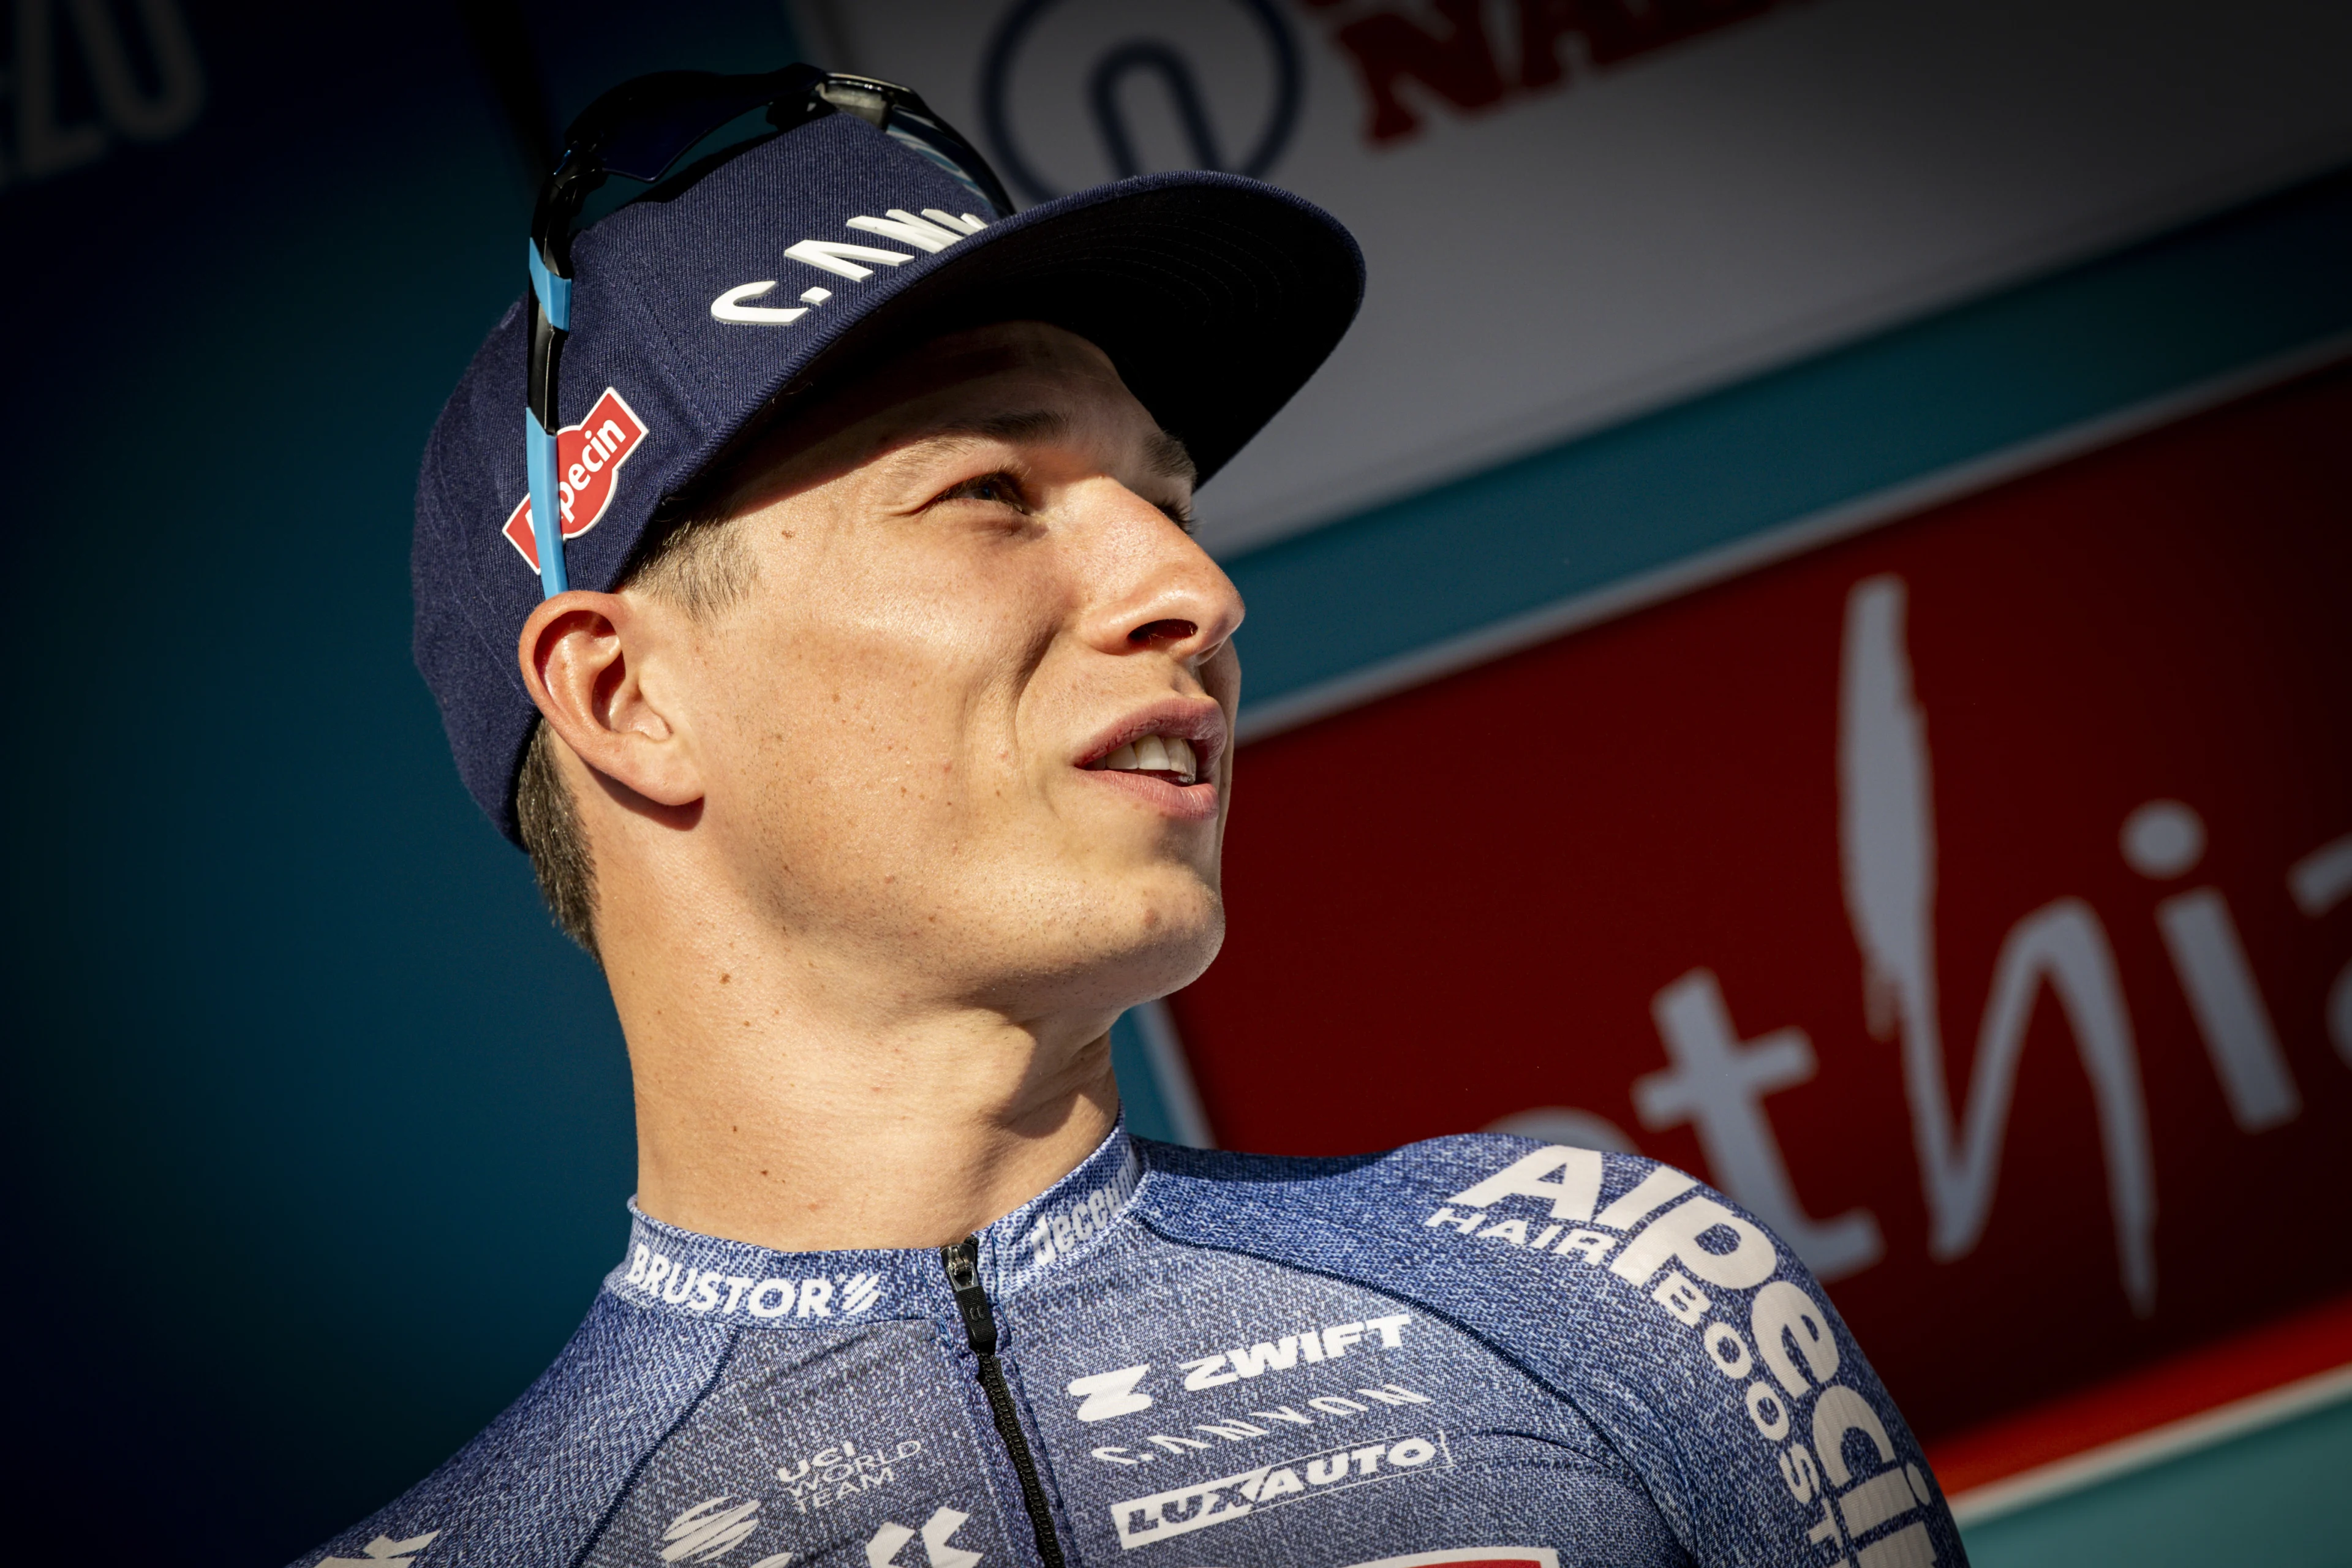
(588, 458)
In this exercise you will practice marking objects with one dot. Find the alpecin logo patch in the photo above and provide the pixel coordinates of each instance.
(588, 458)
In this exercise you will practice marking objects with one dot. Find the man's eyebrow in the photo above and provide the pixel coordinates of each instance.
(1031, 425)
(1164, 455)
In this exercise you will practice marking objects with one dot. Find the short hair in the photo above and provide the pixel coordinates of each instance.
(695, 560)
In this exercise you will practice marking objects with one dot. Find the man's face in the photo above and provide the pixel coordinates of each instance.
(948, 728)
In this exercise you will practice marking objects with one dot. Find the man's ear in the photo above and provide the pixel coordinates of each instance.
(583, 658)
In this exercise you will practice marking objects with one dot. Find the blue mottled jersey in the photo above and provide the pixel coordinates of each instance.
(1472, 1351)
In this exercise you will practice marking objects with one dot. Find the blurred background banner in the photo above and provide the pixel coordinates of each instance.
(1968, 898)
(1575, 209)
(1831, 545)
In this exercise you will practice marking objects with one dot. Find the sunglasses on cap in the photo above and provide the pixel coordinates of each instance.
(640, 130)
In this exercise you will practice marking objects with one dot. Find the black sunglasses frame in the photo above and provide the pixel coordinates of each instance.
(639, 131)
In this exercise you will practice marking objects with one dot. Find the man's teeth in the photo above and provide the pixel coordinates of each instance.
(1155, 755)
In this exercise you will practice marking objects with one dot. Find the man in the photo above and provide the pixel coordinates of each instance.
(882, 758)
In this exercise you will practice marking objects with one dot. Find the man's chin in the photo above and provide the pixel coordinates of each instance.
(1174, 960)
(1160, 951)
(1127, 950)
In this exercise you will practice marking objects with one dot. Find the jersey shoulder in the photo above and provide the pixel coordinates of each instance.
(1677, 1323)
(1333, 1179)
(1500, 1229)
(1495, 1178)
(534, 1485)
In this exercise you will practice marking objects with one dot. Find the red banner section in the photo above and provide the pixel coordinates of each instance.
(1972, 900)
(2298, 1362)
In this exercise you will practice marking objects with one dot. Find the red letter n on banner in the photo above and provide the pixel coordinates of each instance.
(1458, 64)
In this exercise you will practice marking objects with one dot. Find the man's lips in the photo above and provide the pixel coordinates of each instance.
(1160, 792)
(1168, 754)
(1177, 740)
(1164, 755)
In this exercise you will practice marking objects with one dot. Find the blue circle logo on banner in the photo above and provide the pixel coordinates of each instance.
(1094, 76)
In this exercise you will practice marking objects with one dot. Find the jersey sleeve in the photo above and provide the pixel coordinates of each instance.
(534, 1487)
(1674, 1322)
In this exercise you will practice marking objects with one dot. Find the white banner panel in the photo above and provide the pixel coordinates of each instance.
(1575, 209)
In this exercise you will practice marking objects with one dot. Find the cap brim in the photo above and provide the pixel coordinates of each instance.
(1216, 297)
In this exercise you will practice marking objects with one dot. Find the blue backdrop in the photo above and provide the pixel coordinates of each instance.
(320, 1131)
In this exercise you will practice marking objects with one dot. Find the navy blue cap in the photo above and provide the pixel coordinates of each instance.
(1216, 297)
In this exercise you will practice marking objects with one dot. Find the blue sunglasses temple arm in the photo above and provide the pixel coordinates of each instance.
(706, 104)
(552, 296)
(546, 505)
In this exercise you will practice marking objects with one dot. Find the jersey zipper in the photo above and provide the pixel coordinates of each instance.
(962, 1261)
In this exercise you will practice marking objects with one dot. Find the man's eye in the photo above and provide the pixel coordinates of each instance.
(999, 489)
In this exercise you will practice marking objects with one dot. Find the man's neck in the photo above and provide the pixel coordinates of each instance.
(775, 1110)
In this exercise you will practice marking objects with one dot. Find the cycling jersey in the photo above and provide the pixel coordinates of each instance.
(1471, 1350)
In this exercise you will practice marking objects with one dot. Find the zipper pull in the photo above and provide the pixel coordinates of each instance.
(961, 1259)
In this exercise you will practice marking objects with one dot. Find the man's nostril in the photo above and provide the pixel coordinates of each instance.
(1158, 632)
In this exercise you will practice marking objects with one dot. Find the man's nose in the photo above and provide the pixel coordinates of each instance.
(1153, 588)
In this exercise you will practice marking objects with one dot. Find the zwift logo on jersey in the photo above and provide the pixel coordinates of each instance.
(1108, 1394)
(588, 458)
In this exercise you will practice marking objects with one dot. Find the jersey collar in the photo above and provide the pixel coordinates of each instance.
(710, 1279)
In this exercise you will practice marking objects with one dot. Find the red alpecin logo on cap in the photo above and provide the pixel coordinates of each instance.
(588, 458)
